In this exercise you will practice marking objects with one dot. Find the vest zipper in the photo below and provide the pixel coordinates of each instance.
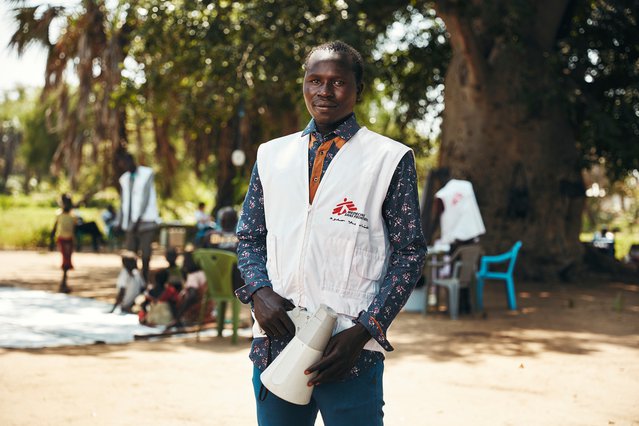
(300, 270)
(309, 216)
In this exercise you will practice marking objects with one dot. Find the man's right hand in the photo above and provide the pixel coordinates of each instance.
(270, 312)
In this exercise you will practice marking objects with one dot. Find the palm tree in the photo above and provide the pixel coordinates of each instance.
(91, 45)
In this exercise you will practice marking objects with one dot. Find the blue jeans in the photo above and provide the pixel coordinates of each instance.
(357, 401)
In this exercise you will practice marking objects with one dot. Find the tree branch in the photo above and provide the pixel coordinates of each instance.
(463, 39)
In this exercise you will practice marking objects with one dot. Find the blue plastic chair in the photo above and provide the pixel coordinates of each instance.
(485, 274)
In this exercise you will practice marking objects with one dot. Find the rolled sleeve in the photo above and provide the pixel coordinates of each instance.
(375, 330)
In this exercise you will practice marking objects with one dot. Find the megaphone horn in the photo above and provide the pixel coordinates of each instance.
(285, 377)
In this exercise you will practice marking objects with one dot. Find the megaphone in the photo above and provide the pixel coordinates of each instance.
(285, 376)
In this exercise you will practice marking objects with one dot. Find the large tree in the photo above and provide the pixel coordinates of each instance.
(521, 156)
(92, 43)
(533, 90)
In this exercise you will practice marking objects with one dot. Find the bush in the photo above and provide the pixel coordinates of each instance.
(40, 237)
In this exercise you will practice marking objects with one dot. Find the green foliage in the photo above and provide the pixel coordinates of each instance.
(38, 143)
(413, 55)
(599, 48)
(40, 238)
(222, 75)
(203, 78)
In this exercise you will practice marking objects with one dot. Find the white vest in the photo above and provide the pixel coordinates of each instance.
(336, 250)
(143, 190)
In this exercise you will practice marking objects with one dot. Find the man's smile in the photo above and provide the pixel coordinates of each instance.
(324, 106)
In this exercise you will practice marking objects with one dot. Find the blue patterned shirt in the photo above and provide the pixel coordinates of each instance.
(400, 211)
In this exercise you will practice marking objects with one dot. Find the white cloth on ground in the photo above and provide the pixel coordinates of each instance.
(38, 319)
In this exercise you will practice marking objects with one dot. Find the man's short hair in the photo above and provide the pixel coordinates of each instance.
(129, 259)
(341, 47)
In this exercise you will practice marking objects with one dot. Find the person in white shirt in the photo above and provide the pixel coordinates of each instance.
(129, 283)
(459, 216)
(202, 218)
(139, 216)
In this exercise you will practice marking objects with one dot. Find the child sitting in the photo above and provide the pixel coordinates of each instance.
(129, 284)
(160, 306)
(193, 293)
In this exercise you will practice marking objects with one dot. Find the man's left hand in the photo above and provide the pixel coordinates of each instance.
(340, 355)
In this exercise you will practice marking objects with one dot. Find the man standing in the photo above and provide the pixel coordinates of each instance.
(331, 216)
(139, 216)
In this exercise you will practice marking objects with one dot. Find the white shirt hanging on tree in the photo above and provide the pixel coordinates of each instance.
(461, 219)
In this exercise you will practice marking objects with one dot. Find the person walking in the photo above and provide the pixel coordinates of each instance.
(64, 229)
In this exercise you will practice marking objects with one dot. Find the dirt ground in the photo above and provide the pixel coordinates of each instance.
(568, 356)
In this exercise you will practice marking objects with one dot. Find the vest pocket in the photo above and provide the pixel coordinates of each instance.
(272, 257)
(335, 260)
(351, 280)
(368, 264)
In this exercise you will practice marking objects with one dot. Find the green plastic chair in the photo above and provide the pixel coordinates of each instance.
(218, 267)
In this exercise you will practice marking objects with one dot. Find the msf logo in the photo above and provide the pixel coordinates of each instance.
(345, 207)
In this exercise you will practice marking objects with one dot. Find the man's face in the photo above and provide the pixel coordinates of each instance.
(330, 88)
(129, 263)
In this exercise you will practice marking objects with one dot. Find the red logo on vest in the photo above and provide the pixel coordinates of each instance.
(346, 206)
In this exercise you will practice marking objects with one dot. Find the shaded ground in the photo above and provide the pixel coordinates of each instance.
(569, 356)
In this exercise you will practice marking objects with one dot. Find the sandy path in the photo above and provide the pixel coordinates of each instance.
(565, 358)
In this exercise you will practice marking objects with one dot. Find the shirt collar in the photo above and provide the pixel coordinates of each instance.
(345, 130)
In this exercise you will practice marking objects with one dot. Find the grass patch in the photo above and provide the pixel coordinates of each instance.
(24, 227)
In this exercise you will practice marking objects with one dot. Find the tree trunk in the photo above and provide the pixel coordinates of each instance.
(9, 141)
(225, 171)
(166, 157)
(520, 157)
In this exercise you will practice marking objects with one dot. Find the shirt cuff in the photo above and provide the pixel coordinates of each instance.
(245, 293)
(375, 329)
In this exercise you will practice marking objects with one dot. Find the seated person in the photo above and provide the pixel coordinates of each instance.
(224, 238)
(604, 241)
(84, 228)
(109, 218)
(129, 284)
(164, 293)
(203, 223)
(192, 295)
(460, 223)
